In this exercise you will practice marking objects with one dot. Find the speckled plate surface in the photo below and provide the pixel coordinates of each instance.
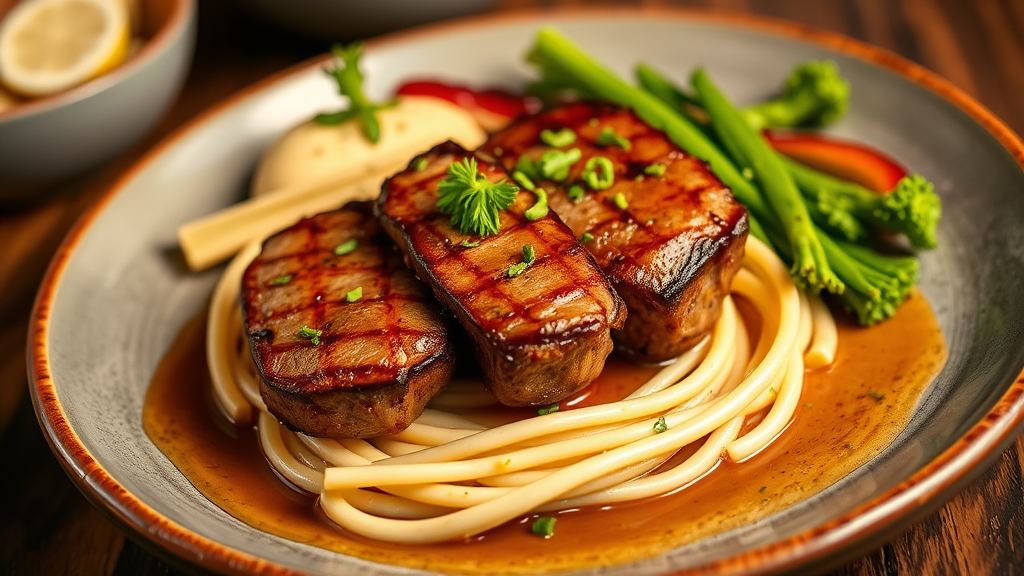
(117, 292)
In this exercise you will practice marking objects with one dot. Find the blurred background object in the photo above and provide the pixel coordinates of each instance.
(83, 81)
(342, 20)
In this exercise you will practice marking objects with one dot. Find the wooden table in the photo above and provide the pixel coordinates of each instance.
(47, 527)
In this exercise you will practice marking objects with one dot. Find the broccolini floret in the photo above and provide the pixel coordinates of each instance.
(912, 208)
(814, 95)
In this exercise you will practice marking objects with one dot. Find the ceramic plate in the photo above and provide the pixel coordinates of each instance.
(117, 293)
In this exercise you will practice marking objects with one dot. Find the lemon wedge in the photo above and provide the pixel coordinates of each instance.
(47, 46)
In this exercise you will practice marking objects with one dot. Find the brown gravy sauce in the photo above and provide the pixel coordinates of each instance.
(850, 412)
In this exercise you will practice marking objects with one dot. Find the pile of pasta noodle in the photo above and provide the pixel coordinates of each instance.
(448, 476)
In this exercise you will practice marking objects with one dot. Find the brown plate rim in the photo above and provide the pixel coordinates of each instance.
(926, 487)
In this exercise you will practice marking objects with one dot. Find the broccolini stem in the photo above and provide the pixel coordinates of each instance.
(809, 261)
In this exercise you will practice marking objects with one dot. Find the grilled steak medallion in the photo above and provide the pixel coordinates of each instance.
(539, 336)
(668, 233)
(333, 364)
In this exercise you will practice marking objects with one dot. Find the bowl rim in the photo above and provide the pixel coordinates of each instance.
(921, 493)
(172, 29)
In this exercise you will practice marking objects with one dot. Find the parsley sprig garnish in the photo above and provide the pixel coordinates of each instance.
(473, 201)
(350, 83)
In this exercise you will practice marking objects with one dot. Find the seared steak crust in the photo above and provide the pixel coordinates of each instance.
(672, 251)
(375, 362)
(539, 336)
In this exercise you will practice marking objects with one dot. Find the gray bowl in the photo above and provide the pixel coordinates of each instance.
(46, 141)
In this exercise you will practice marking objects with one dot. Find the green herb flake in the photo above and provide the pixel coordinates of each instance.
(354, 295)
(516, 269)
(763, 488)
(876, 395)
(544, 526)
(539, 208)
(281, 280)
(599, 173)
(421, 164)
(473, 201)
(468, 244)
(620, 201)
(660, 426)
(808, 406)
(587, 237)
(555, 164)
(549, 410)
(655, 170)
(346, 247)
(608, 137)
(310, 334)
(773, 391)
(575, 193)
(560, 139)
(528, 254)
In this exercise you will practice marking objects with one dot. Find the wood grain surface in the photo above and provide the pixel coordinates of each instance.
(47, 527)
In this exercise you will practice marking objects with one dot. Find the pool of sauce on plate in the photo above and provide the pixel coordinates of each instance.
(849, 413)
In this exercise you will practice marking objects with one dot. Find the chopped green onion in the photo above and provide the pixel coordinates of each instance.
(540, 208)
(346, 247)
(876, 395)
(310, 334)
(548, 410)
(660, 426)
(620, 201)
(421, 164)
(527, 167)
(468, 244)
(575, 193)
(655, 170)
(523, 180)
(354, 295)
(281, 280)
(587, 237)
(560, 139)
(599, 173)
(544, 526)
(608, 137)
(555, 164)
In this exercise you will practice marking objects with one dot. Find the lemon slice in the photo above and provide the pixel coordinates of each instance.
(47, 46)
